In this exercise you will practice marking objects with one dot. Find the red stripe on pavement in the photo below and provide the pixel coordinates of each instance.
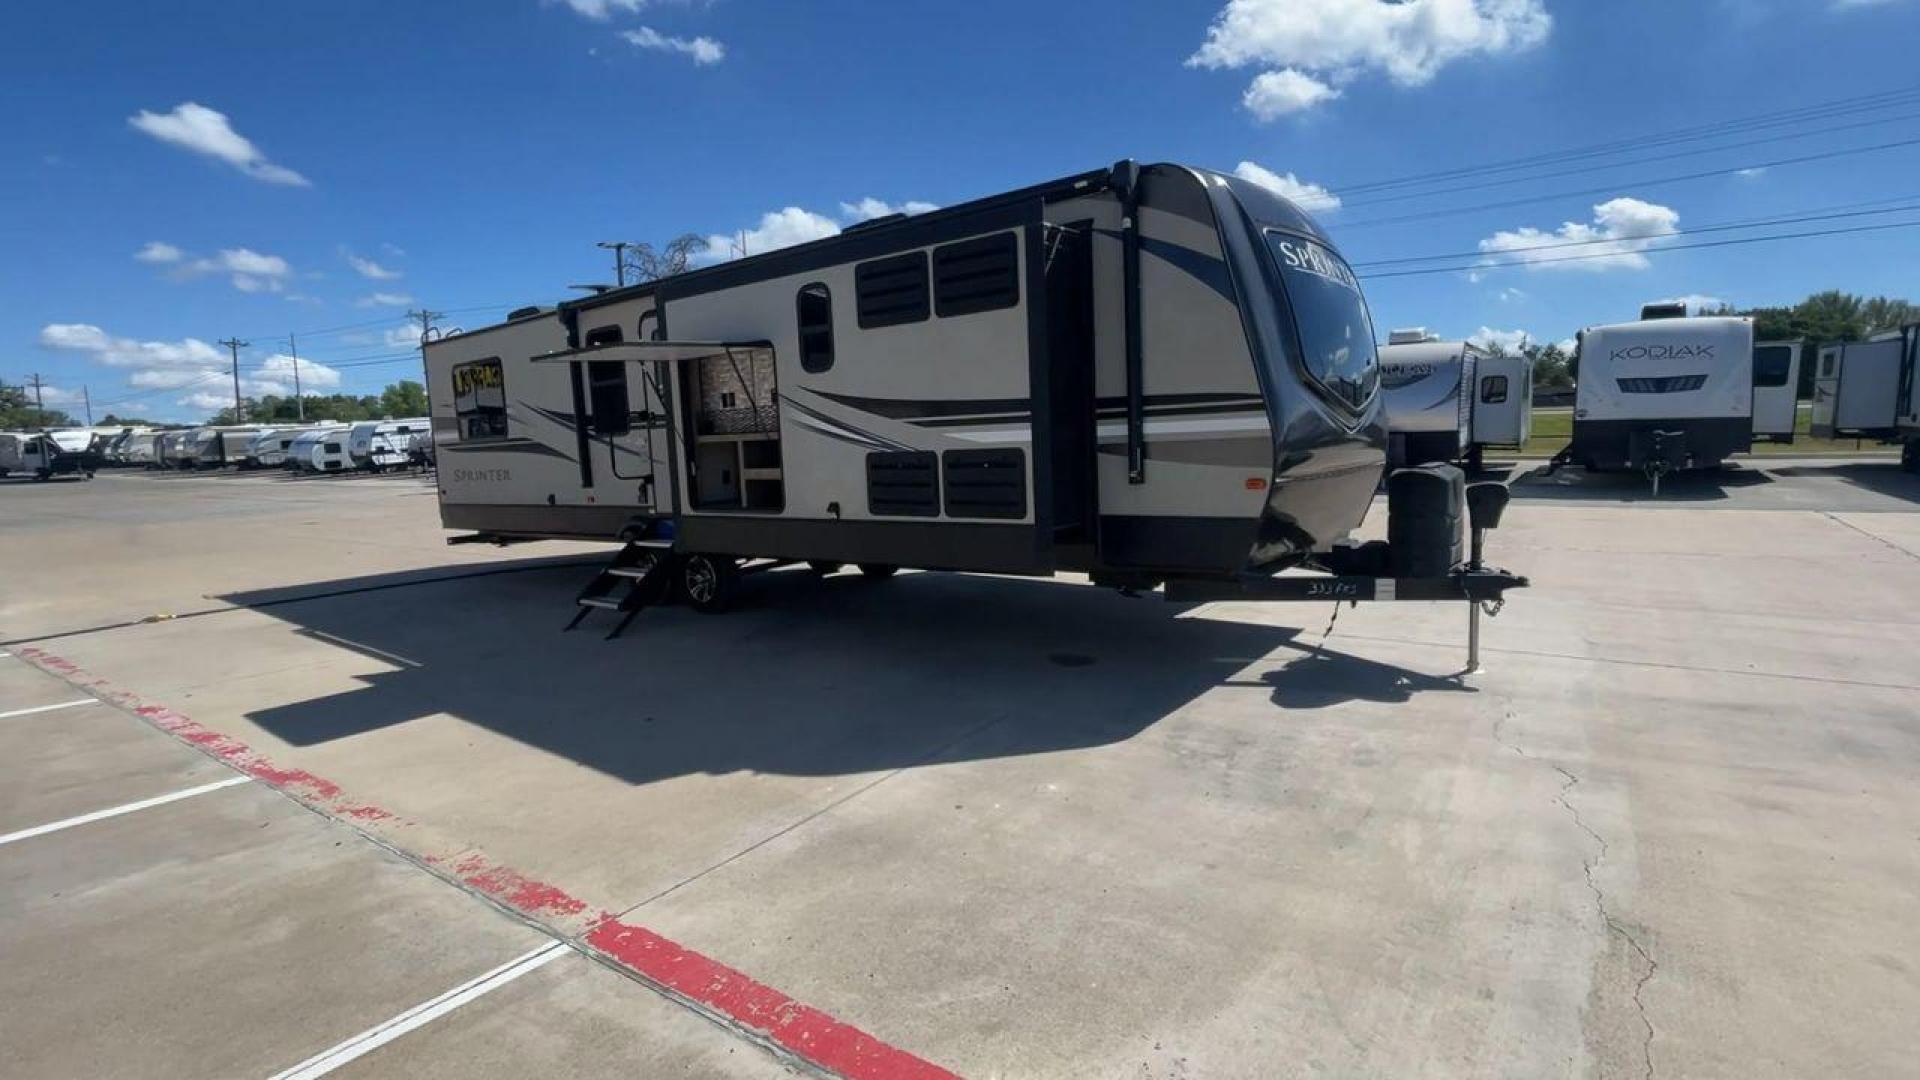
(713, 986)
(731, 997)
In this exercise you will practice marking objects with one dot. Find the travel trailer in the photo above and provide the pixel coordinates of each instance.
(1502, 403)
(47, 454)
(1152, 374)
(1856, 387)
(225, 446)
(1429, 418)
(1776, 390)
(1663, 394)
(138, 448)
(269, 449)
(323, 450)
(169, 451)
(1907, 422)
(379, 445)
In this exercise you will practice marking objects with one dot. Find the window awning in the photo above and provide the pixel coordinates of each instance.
(637, 351)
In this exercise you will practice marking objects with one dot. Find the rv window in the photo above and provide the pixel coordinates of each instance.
(814, 306)
(607, 395)
(977, 275)
(1826, 364)
(603, 335)
(890, 292)
(1493, 389)
(1771, 364)
(480, 400)
(1330, 317)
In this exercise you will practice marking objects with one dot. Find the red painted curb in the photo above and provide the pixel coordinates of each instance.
(730, 996)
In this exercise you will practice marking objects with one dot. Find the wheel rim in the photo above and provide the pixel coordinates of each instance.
(702, 580)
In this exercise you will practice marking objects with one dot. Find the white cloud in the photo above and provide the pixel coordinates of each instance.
(404, 336)
(1288, 186)
(1510, 340)
(128, 352)
(1748, 174)
(192, 126)
(384, 299)
(1274, 94)
(1311, 47)
(703, 50)
(601, 10)
(1510, 295)
(1621, 229)
(367, 268)
(777, 229)
(275, 376)
(869, 208)
(248, 270)
(157, 252)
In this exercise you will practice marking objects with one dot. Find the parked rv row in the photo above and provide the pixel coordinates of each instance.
(370, 446)
(1664, 393)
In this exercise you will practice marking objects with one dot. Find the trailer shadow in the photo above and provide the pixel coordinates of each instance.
(810, 676)
(1574, 484)
(1882, 476)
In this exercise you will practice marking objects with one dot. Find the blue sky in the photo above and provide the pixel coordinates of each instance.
(177, 175)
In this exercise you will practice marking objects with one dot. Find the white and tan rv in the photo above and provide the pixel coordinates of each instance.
(1149, 374)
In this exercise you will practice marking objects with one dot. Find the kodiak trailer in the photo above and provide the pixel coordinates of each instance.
(1663, 394)
(1152, 374)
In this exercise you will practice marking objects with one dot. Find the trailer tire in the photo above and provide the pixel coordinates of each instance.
(877, 571)
(823, 567)
(707, 582)
(42, 475)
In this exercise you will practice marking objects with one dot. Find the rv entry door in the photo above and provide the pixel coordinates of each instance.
(623, 411)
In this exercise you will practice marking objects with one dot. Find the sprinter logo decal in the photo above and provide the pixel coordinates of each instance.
(1310, 258)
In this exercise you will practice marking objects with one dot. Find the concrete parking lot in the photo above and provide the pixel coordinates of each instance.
(953, 824)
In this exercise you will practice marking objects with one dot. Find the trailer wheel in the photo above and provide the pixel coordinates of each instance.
(878, 571)
(707, 582)
(42, 475)
(823, 567)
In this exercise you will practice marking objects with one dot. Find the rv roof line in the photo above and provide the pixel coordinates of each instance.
(1064, 187)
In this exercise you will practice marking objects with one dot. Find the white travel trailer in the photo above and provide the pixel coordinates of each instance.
(1856, 388)
(270, 448)
(321, 451)
(1663, 394)
(1429, 418)
(1153, 374)
(1907, 422)
(47, 454)
(169, 451)
(1776, 390)
(379, 445)
(1502, 403)
(138, 449)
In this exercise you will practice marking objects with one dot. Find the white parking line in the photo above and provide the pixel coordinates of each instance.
(116, 811)
(48, 708)
(375, 1037)
(358, 647)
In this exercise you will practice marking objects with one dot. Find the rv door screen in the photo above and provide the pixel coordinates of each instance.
(480, 400)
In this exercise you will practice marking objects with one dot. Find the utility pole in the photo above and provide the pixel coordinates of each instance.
(619, 249)
(299, 402)
(88, 399)
(234, 345)
(426, 318)
(39, 409)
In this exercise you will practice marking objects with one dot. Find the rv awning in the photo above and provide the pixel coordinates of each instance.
(635, 351)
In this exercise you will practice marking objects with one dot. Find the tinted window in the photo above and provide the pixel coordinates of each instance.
(1771, 364)
(1330, 317)
(603, 335)
(607, 397)
(480, 400)
(814, 310)
(889, 292)
(976, 275)
(1493, 389)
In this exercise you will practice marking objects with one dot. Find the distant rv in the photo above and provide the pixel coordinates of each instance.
(379, 445)
(1664, 394)
(1451, 400)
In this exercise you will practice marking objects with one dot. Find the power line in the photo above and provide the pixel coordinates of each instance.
(1617, 185)
(1786, 117)
(1720, 227)
(1404, 196)
(1646, 251)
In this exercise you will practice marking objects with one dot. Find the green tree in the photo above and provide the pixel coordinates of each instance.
(403, 399)
(17, 412)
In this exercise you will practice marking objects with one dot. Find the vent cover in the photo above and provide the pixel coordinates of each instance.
(890, 292)
(986, 483)
(903, 483)
(977, 275)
